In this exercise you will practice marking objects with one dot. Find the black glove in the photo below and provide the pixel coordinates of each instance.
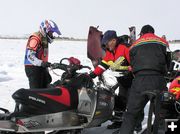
(45, 64)
(92, 75)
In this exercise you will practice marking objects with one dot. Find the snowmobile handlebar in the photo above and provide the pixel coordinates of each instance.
(65, 67)
(74, 65)
(58, 66)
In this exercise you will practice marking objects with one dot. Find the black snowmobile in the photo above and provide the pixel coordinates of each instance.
(72, 103)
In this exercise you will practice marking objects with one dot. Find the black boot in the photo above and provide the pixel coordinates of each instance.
(138, 128)
(114, 125)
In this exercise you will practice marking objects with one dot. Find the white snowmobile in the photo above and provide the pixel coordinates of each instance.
(71, 104)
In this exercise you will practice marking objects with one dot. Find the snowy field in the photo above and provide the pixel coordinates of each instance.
(12, 75)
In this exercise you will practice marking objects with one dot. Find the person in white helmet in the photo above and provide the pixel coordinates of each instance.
(36, 55)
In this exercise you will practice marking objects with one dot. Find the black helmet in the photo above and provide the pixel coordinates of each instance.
(124, 38)
(146, 29)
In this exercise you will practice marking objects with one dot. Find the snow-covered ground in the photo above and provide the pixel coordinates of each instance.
(12, 75)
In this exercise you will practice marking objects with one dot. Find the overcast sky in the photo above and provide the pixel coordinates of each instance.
(74, 17)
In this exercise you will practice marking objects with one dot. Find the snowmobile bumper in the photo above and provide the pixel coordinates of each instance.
(56, 121)
(8, 126)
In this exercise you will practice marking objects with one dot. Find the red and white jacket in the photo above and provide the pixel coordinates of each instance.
(121, 53)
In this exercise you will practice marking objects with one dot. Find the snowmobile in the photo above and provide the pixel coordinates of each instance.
(69, 105)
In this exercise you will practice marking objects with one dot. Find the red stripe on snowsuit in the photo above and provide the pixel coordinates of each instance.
(149, 38)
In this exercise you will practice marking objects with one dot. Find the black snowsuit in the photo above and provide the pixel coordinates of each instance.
(148, 58)
(121, 99)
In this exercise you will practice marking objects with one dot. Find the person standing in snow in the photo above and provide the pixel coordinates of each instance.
(36, 55)
(149, 62)
(117, 59)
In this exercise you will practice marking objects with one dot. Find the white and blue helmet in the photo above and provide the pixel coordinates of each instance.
(48, 28)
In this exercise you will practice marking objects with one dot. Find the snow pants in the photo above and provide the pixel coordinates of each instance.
(125, 83)
(38, 77)
(137, 101)
(121, 99)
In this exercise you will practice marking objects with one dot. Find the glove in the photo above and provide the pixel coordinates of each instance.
(114, 66)
(45, 64)
(117, 65)
(92, 75)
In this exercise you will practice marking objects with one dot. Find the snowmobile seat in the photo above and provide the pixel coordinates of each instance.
(46, 100)
(151, 94)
